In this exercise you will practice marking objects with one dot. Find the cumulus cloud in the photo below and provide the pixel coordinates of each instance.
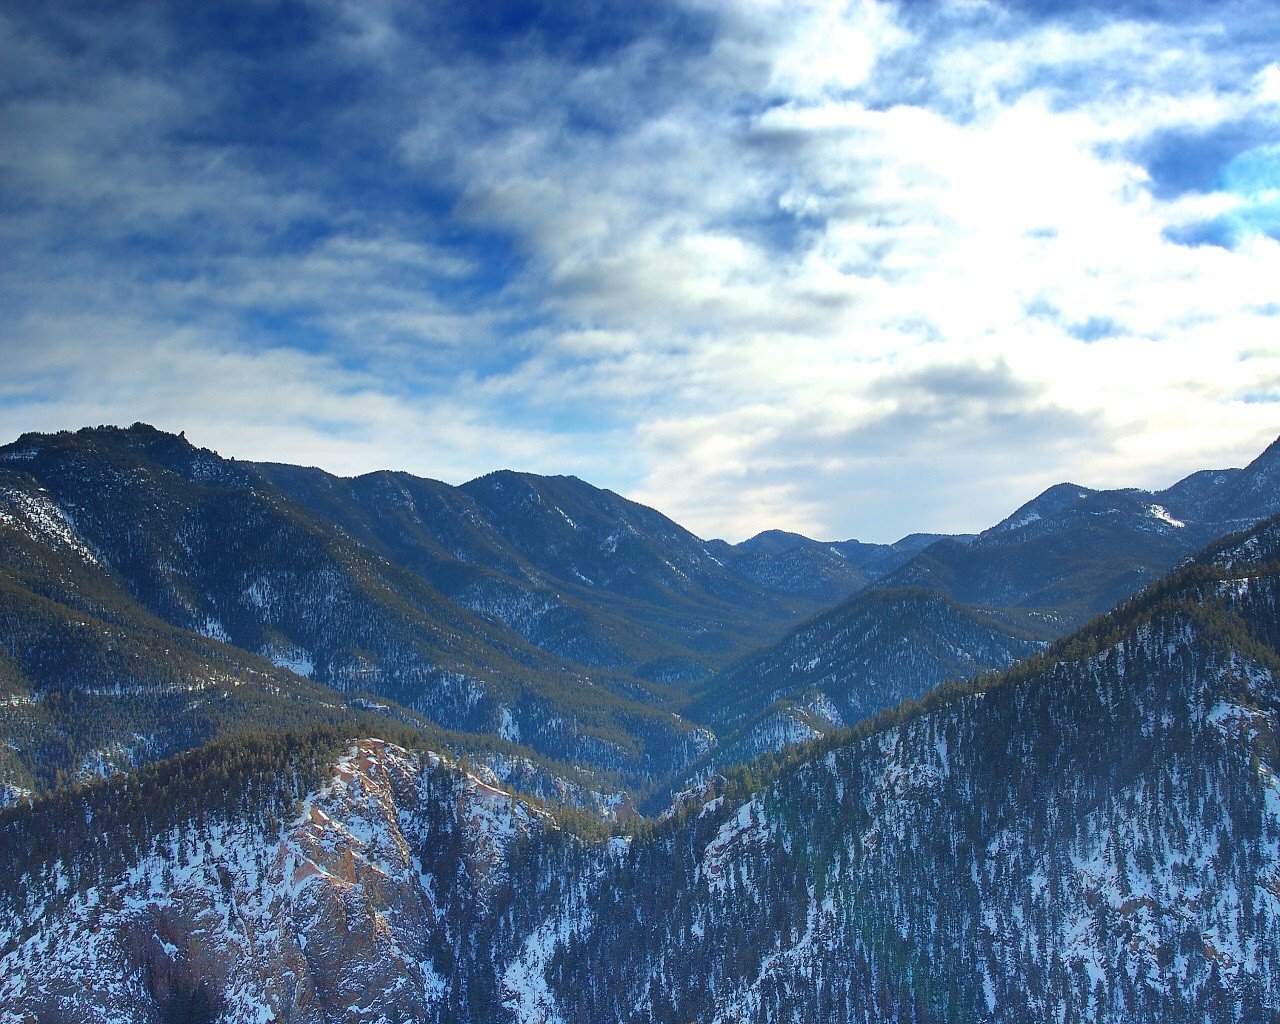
(853, 268)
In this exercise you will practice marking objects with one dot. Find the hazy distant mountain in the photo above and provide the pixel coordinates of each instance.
(831, 571)
(1073, 552)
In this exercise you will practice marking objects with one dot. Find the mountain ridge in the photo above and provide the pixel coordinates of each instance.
(548, 612)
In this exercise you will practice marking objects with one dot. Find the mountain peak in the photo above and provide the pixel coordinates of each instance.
(501, 479)
(1269, 457)
(107, 436)
(772, 542)
(1048, 503)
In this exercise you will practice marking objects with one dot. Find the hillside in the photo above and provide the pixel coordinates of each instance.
(540, 611)
(206, 546)
(870, 653)
(575, 570)
(1072, 552)
(976, 603)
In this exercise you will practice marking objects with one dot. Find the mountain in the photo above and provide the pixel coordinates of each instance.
(1073, 552)
(790, 563)
(870, 653)
(209, 546)
(541, 610)
(576, 570)
(1227, 500)
(91, 682)
(1093, 834)
(949, 608)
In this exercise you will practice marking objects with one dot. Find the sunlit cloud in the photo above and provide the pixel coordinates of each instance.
(849, 268)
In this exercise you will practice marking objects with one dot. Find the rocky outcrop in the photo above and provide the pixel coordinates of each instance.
(345, 914)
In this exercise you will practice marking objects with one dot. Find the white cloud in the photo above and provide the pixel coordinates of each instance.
(839, 269)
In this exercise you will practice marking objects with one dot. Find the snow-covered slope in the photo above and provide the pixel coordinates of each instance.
(1094, 835)
(357, 907)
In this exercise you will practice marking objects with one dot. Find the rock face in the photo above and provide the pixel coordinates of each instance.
(1092, 835)
(359, 905)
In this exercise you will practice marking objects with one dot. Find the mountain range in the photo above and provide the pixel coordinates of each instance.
(282, 745)
(1091, 834)
(541, 616)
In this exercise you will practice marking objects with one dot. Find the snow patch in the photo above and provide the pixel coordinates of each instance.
(1158, 511)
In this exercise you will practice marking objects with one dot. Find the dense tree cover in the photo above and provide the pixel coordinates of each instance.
(576, 570)
(140, 529)
(554, 614)
(1090, 835)
(81, 835)
(1084, 837)
(871, 652)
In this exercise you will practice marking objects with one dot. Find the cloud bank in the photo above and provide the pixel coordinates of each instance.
(854, 269)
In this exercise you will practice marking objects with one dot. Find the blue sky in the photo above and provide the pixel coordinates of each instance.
(855, 269)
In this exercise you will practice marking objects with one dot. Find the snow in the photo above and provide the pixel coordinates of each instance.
(1158, 511)
(1024, 520)
(295, 659)
(507, 728)
(521, 609)
(255, 900)
(212, 628)
(41, 519)
(746, 827)
(524, 982)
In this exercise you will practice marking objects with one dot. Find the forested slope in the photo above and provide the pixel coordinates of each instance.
(1093, 834)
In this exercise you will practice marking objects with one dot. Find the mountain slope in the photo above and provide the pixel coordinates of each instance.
(575, 570)
(91, 683)
(1227, 499)
(791, 563)
(1069, 553)
(872, 652)
(1072, 552)
(543, 610)
(208, 545)
(308, 889)
(1092, 835)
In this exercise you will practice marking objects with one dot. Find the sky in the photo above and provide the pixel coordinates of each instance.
(851, 269)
